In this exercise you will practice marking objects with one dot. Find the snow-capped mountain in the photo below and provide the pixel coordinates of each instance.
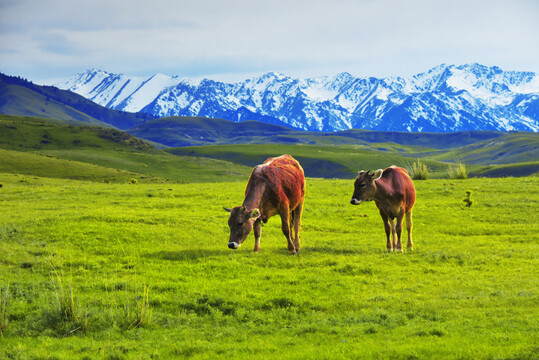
(445, 98)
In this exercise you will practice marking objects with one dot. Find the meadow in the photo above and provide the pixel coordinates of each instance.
(92, 270)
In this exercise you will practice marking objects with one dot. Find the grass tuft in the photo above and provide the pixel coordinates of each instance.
(68, 309)
(4, 309)
(419, 171)
(458, 171)
(143, 311)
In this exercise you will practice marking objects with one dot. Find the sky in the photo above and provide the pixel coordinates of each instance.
(232, 40)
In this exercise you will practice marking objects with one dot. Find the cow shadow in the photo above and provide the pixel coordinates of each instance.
(196, 254)
(332, 250)
(187, 255)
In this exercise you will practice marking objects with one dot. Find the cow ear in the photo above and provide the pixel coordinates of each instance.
(254, 214)
(242, 209)
(227, 209)
(377, 174)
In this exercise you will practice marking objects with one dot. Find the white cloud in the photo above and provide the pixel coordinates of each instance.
(303, 38)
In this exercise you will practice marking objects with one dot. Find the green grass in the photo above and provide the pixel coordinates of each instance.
(33, 146)
(142, 271)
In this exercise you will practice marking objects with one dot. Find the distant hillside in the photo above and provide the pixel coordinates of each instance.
(49, 148)
(509, 149)
(23, 98)
(180, 131)
(187, 131)
(345, 160)
(30, 134)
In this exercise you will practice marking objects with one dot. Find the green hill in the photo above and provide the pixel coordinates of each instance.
(29, 164)
(509, 149)
(51, 149)
(180, 131)
(23, 98)
(321, 155)
(316, 160)
(345, 160)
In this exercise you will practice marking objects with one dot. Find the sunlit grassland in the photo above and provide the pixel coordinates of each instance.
(79, 259)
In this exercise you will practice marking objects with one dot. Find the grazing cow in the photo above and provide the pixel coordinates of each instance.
(275, 187)
(394, 194)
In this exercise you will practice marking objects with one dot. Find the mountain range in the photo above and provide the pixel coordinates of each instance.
(446, 98)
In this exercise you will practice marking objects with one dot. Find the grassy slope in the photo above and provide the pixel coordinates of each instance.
(512, 148)
(487, 153)
(114, 150)
(21, 101)
(469, 290)
(318, 161)
(35, 164)
(185, 131)
(82, 152)
(343, 160)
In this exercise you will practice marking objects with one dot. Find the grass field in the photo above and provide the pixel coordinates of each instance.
(91, 270)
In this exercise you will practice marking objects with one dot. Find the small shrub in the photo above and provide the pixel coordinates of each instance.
(1, 185)
(133, 181)
(419, 171)
(279, 303)
(468, 198)
(207, 305)
(458, 171)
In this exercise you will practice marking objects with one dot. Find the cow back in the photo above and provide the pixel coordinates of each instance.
(282, 177)
(398, 186)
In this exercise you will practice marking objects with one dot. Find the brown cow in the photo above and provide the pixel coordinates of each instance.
(394, 194)
(275, 187)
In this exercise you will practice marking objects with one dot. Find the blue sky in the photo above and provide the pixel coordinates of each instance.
(232, 40)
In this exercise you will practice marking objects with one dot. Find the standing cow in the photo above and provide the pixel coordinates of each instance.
(394, 194)
(275, 187)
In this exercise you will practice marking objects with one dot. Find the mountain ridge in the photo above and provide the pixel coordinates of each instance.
(445, 98)
(24, 98)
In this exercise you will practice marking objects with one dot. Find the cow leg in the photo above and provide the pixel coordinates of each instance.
(409, 226)
(297, 224)
(285, 226)
(257, 227)
(393, 233)
(398, 230)
(387, 227)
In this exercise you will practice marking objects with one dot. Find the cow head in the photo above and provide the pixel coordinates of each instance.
(241, 223)
(364, 186)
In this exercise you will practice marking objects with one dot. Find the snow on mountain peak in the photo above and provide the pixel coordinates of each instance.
(444, 98)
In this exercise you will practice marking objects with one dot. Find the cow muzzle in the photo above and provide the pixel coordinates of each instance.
(233, 245)
(355, 201)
